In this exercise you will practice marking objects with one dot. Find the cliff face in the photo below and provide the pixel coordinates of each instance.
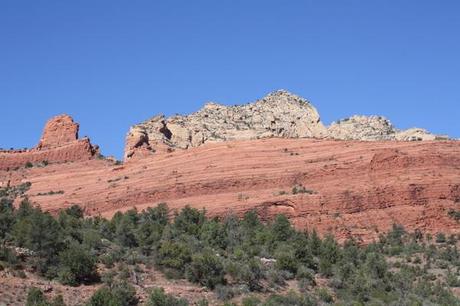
(272, 156)
(59, 131)
(280, 114)
(59, 143)
(349, 188)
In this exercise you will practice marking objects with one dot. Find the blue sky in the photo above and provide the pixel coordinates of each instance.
(111, 64)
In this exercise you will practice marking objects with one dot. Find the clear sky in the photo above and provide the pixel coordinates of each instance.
(111, 64)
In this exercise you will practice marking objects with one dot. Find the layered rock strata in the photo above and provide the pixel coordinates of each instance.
(273, 156)
(348, 188)
(59, 143)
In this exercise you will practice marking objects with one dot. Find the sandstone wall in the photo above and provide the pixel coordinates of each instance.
(59, 143)
(352, 188)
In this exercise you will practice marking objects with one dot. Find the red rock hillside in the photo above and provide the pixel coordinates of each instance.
(349, 188)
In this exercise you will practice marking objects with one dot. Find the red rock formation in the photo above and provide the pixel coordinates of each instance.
(58, 131)
(357, 188)
(59, 143)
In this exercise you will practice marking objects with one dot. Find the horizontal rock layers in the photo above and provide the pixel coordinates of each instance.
(272, 156)
(59, 143)
(348, 188)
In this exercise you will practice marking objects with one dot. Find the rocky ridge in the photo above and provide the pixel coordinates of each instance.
(279, 114)
(59, 143)
(298, 167)
(372, 128)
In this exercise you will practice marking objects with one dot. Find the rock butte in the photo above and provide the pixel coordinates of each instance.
(229, 160)
(59, 144)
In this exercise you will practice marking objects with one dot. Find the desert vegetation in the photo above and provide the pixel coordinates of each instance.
(243, 261)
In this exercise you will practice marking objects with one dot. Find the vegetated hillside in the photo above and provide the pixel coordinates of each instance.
(71, 260)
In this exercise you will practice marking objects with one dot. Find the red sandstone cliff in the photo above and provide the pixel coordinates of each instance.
(59, 143)
(348, 188)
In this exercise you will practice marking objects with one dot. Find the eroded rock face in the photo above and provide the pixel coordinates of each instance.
(362, 128)
(352, 188)
(59, 143)
(280, 114)
(417, 134)
(58, 131)
(373, 128)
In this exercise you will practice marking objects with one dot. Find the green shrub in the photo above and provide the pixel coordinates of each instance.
(35, 297)
(36, 230)
(202, 302)
(301, 189)
(174, 255)
(440, 238)
(189, 221)
(103, 296)
(276, 278)
(291, 298)
(77, 266)
(287, 261)
(454, 214)
(119, 294)
(252, 274)
(281, 229)
(7, 255)
(58, 300)
(6, 217)
(158, 297)
(108, 259)
(329, 255)
(251, 301)
(206, 269)
(324, 295)
(224, 293)
(305, 274)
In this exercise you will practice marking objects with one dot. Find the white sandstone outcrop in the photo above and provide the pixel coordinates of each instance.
(279, 114)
